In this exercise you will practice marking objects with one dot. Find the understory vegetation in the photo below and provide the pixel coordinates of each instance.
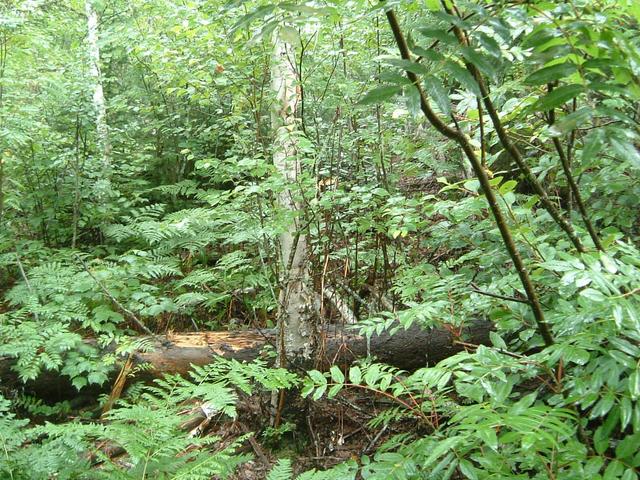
(185, 174)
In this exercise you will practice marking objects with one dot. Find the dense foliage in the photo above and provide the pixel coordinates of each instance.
(458, 161)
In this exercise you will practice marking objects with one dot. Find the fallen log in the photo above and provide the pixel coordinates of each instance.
(175, 353)
(406, 349)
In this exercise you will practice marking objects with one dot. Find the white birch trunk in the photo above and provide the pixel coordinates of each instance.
(296, 319)
(99, 103)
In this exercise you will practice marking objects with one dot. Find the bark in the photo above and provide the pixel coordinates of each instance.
(340, 305)
(1, 189)
(99, 102)
(297, 309)
(4, 40)
(406, 349)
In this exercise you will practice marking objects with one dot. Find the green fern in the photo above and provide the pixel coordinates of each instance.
(281, 470)
(344, 471)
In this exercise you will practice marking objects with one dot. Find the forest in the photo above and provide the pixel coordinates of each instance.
(319, 239)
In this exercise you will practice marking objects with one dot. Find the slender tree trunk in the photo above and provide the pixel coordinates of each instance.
(459, 137)
(297, 309)
(4, 40)
(99, 102)
(1, 189)
(574, 191)
(507, 143)
(76, 186)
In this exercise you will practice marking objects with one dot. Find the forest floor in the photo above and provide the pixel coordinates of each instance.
(314, 435)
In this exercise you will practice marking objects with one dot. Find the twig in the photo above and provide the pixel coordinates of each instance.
(119, 384)
(312, 433)
(481, 174)
(128, 312)
(475, 288)
(27, 283)
(254, 444)
(375, 440)
(628, 294)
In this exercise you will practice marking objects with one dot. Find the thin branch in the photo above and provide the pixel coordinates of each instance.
(481, 174)
(511, 148)
(573, 186)
(27, 283)
(132, 316)
(475, 289)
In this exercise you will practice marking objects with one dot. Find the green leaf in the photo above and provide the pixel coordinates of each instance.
(97, 378)
(441, 448)
(628, 446)
(372, 375)
(483, 63)
(557, 97)
(317, 377)
(433, 5)
(258, 13)
(319, 392)
(289, 35)
(593, 294)
(593, 466)
(334, 390)
(489, 44)
(468, 470)
(438, 93)
(336, 374)
(626, 412)
(380, 94)
(79, 382)
(307, 389)
(550, 74)
(463, 76)
(572, 121)
(439, 34)
(603, 406)
(592, 146)
(539, 36)
(626, 150)
(613, 470)
(407, 65)
(281, 470)
(600, 441)
(602, 434)
(488, 436)
(508, 186)
(355, 375)
(634, 385)
(497, 340)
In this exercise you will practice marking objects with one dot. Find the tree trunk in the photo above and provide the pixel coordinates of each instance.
(297, 306)
(407, 349)
(4, 40)
(99, 103)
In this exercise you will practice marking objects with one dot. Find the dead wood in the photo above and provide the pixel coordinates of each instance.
(175, 353)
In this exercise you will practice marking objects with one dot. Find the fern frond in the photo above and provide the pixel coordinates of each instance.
(281, 471)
